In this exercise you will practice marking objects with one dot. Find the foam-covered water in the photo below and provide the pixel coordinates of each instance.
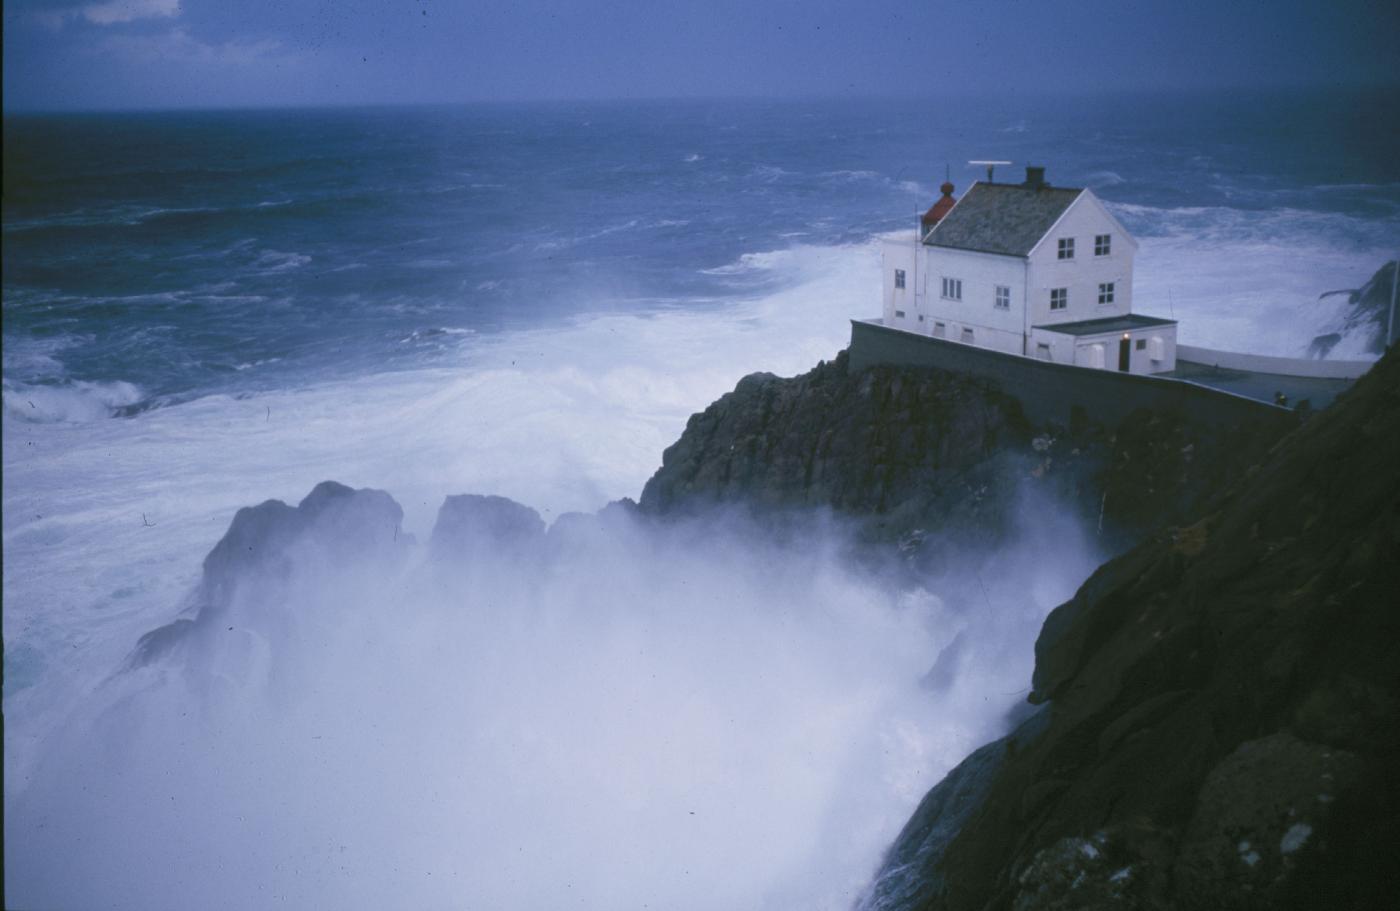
(203, 311)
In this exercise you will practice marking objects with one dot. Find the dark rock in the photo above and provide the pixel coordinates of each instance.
(1369, 313)
(911, 874)
(333, 524)
(469, 525)
(921, 456)
(1224, 717)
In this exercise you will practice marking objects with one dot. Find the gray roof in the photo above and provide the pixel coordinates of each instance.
(1002, 218)
(1108, 324)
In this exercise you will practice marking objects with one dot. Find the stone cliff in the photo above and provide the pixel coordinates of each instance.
(919, 454)
(1223, 718)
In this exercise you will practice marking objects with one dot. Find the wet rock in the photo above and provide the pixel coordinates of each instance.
(334, 526)
(471, 525)
(1369, 313)
(921, 457)
(1224, 714)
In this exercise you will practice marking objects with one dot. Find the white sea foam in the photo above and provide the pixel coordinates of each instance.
(69, 402)
(271, 262)
(1251, 281)
(105, 524)
(774, 695)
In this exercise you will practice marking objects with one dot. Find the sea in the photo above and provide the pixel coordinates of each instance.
(203, 310)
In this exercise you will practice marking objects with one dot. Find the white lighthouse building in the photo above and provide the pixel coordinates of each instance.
(1028, 269)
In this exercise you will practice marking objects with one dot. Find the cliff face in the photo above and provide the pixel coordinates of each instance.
(1369, 313)
(922, 454)
(1223, 726)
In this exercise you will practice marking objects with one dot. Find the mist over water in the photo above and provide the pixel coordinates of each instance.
(409, 301)
(624, 714)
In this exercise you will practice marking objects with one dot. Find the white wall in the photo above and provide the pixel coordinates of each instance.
(980, 273)
(1061, 347)
(899, 254)
(1079, 350)
(1081, 276)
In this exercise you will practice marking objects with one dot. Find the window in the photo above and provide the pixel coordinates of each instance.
(1059, 298)
(1103, 244)
(899, 313)
(1002, 301)
(899, 278)
(1141, 344)
(1042, 351)
(1105, 293)
(940, 330)
(1066, 248)
(1158, 351)
(921, 317)
(967, 336)
(952, 289)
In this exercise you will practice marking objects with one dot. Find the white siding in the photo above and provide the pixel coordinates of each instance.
(1101, 351)
(980, 274)
(899, 254)
(1081, 276)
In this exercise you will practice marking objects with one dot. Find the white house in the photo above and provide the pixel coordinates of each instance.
(1028, 269)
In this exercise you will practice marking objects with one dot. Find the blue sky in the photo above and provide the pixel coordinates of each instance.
(82, 54)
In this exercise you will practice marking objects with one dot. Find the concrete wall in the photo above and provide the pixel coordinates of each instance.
(1051, 392)
(1282, 366)
(1081, 276)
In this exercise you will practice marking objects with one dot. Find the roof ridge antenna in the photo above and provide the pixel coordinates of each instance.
(989, 165)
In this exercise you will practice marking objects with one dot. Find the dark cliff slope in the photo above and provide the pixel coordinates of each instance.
(1224, 720)
(907, 449)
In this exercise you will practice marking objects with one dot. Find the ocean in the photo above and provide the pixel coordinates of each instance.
(205, 310)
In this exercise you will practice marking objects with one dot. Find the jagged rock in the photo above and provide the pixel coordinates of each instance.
(1224, 717)
(334, 523)
(1369, 313)
(469, 525)
(920, 456)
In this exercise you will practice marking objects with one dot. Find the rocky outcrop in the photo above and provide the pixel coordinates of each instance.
(334, 523)
(918, 454)
(1223, 724)
(1369, 313)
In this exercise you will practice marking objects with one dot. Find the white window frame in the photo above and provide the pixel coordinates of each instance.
(1059, 299)
(1065, 248)
(1001, 297)
(899, 279)
(1106, 293)
(952, 289)
(1103, 244)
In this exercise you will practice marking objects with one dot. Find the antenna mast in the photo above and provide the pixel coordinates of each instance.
(990, 166)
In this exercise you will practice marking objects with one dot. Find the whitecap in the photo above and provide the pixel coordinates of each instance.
(70, 402)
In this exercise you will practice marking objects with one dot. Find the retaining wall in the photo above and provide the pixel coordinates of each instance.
(1281, 366)
(1051, 392)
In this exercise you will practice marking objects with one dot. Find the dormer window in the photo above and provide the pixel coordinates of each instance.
(899, 279)
(1066, 248)
(1103, 244)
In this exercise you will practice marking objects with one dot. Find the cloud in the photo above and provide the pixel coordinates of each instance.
(114, 11)
(177, 45)
(110, 12)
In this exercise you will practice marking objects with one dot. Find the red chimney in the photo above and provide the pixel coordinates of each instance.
(940, 208)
